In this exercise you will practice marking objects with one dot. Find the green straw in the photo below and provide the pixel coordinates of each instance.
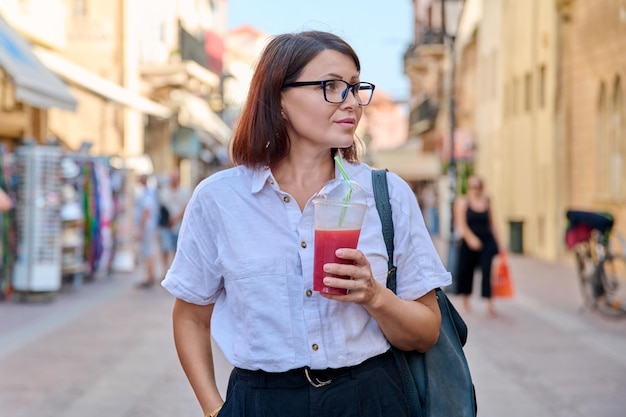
(344, 174)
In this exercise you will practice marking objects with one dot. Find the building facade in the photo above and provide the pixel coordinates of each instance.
(27, 87)
(545, 82)
(430, 66)
(181, 63)
(591, 110)
(134, 79)
(118, 84)
(515, 119)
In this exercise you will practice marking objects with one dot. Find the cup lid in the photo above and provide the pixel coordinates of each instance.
(340, 190)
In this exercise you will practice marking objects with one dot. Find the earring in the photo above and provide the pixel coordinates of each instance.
(267, 145)
(282, 113)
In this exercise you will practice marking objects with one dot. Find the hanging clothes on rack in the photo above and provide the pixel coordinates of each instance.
(7, 226)
(106, 211)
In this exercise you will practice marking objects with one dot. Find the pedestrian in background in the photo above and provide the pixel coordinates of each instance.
(147, 213)
(5, 201)
(473, 217)
(173, 198)
(429, 206)
(243, 270)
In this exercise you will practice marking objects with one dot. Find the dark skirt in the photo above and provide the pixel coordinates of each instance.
(469, 260)
(371, 389)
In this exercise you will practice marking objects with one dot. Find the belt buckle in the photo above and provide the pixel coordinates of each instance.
(317, 383)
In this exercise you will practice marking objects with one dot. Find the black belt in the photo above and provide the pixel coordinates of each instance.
(316, 377)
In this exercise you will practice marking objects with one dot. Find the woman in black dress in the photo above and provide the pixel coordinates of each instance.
(473, 216)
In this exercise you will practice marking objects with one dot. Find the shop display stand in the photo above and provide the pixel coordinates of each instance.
(37, 270)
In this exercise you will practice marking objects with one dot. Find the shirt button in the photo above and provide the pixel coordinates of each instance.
(309, 293)
(271, 180)
(303, 244)
(315, 347)
(286, 199)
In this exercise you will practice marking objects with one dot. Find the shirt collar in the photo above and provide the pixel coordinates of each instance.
(260, 177)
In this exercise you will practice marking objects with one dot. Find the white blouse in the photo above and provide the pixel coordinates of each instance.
(246, 246)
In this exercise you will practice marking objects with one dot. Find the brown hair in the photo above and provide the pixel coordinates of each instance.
(260, 138)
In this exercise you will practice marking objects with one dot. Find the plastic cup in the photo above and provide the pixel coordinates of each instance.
(337, 225)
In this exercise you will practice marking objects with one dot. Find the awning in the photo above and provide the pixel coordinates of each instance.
(188, 143)
(34, 83)
(409, 162)
(195, 113)
(75, 74)
(184, 74)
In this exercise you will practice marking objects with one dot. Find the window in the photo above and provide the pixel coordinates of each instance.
(79, 7)
(24, 6)
(507, 100)
(617, 151)
(515, 98)
(541, 87)
(528, 92)
(494, 74)
(602, 143)
(487, 79)
(163, 32)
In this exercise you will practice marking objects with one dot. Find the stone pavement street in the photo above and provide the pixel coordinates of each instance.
(105, 349)
(542, 356)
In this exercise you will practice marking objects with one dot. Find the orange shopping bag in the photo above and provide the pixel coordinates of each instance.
(502, 283)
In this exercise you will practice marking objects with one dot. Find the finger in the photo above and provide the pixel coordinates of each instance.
(347, 253)
(354, 255)
(335, 282)
(345, 270)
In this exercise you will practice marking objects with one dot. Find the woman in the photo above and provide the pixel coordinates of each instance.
(5, 201)
(479, 241)
(243, 270)
(147, 218)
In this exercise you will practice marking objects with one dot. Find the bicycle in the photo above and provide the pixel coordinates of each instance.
(601, 268)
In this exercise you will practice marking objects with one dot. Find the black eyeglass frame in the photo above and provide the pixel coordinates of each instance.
(350, 87)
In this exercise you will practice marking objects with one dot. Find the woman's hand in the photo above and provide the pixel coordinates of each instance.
(192, 338)
(474, 243)
(407, 324)
(362, 287)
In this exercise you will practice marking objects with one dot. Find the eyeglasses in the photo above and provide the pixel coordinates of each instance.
(336, 91)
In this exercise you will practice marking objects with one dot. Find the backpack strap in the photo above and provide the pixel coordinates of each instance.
(381, 196)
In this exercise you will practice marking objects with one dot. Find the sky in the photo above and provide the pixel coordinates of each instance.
(380, 31)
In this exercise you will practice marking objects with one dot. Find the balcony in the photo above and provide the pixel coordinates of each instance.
(430, 36)
(422, 117)
(430, 46)
(565, 9)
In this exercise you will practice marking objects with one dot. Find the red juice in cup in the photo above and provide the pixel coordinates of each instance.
(326, 243)
(339, 213)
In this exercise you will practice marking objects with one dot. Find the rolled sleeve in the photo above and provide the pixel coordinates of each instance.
(194, 276)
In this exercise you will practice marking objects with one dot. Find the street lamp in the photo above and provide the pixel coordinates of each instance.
(450, 16)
